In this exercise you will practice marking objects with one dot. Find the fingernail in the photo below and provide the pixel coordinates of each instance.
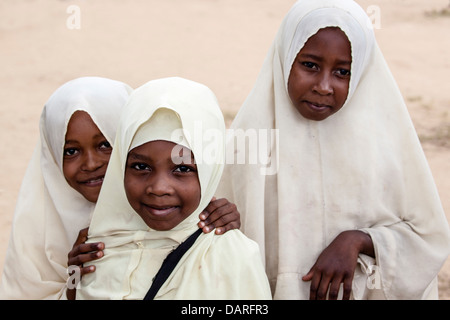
(201, 224)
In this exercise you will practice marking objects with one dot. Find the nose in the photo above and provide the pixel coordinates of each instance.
(91, 161)
(324, 85)
(159, 185)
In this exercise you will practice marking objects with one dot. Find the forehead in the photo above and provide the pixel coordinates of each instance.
(327, 42)
(81, 121)
(160, 150)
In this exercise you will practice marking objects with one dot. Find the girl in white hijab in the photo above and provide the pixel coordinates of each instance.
(60, 189)
(348, 166)
(50, 212)
(183, 114)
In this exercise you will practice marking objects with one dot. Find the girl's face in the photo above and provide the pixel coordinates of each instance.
(86, 156)
(320, 75)
(161, 191)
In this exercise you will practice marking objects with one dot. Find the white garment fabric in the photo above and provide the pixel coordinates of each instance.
(49, 213)
(362, 168)
(228, 266)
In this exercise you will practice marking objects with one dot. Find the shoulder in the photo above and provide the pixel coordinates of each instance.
(232, 242)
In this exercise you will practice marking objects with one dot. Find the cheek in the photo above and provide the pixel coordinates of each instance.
(105, 156)
(296, 92)
(292, 85)
(341, 93)
(192, 195)
(132, 190)
(297, 84)
(70, 170)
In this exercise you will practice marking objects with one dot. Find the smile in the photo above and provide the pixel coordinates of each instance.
(94, 182)
(160, 210)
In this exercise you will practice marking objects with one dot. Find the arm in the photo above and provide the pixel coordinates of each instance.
(81, 253)
(337, 264)
(220, 214)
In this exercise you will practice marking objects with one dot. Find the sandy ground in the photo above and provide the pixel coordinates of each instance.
(220, 43)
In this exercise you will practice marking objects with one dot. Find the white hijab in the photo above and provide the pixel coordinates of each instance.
(186, 113)
(49, 213)
(362, 168)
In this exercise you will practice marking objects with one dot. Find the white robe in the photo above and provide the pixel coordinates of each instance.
(225, 266)
(49, 213)
(362, 168)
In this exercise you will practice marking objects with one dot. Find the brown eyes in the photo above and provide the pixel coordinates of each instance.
(69, 152)
(104, 146)
(139, 166)
(341, 72)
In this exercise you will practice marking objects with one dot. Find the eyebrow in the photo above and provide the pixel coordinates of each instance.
(70, 142)
(320, 59)
(94, 137)
(138, 156)
(141, 157)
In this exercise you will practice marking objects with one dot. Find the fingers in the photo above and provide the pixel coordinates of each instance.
(212, 206)
(82, 258)
(82, 237)
(205, 213)
(347, 288)
(82, 270)
(220, 214)
(325, 285)
(308, 276)
(85, 248)
(334, 289)
(85, 252)
(318, 288)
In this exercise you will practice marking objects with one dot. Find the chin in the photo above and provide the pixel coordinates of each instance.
(90, 197)
(315, 116)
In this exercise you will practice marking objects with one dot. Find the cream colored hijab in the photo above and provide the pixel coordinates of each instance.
(187, 113)
(49, 213)
(363, 168)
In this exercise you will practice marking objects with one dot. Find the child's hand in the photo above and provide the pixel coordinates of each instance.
(220, 214)
(81, 253)
(337, 264)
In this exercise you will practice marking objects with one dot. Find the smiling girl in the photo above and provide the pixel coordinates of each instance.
(155, 187)
(162, 191)
(61, 185)
(86, 156)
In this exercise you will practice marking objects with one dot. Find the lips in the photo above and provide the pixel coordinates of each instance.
(319, 107)
(93, 182)
(158, 210)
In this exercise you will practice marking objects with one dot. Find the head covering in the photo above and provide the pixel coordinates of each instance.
(362, 168)
(49, 213)
(186, 113)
